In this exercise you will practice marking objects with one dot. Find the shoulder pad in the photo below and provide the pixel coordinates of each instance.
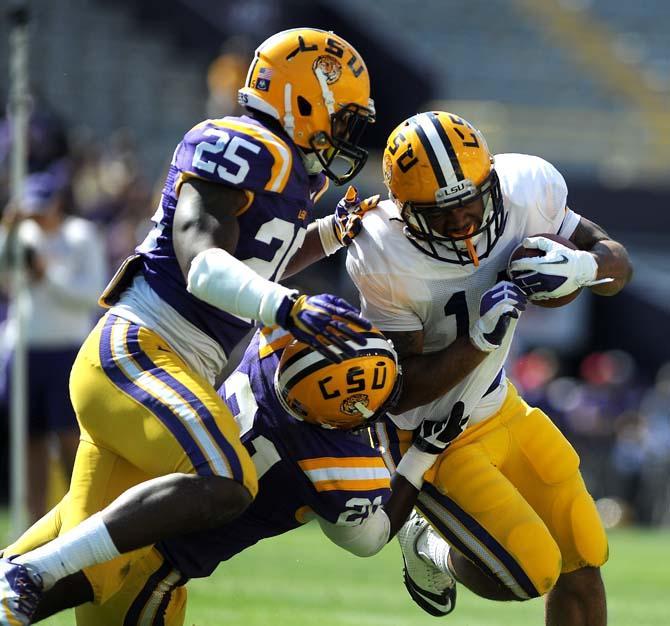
(235, 153)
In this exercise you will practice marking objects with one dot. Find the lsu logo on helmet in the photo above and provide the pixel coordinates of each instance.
(330, 66)
(433, 163)
(346, 395)
(317, 86)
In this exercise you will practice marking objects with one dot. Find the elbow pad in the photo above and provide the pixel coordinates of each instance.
(218, 278)
(364, 539)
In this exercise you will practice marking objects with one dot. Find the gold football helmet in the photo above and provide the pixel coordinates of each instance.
(348, 395)
(435, 162)
(318, 87)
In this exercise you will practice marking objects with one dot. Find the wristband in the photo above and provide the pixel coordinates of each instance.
(414, 464)
(329, 241)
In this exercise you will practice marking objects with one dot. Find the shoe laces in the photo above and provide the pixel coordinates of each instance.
(439, 581)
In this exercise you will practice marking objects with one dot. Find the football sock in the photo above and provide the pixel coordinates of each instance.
(84, 545)
(433, 548)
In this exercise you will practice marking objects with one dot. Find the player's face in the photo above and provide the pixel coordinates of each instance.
(459, 221)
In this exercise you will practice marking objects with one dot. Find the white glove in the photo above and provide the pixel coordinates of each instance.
(503, 302)
(558, 273)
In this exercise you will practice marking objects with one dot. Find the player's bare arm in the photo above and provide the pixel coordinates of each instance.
(611, 256)
(329, 234)
(310, 252)
(447, 367)
(205, 218)
(205, 236)
(401, 503)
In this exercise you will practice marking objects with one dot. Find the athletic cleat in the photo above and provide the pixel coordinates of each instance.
(433, 589)
(20, 592)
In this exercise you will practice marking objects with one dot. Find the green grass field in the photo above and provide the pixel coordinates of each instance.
(301, 579)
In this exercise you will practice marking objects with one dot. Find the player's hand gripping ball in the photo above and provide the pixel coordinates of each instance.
(538, 280)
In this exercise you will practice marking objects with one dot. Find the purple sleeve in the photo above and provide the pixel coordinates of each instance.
(348, 478)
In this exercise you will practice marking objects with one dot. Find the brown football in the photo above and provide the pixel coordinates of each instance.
(521, 252)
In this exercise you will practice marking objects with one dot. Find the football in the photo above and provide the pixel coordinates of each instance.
(521, 252)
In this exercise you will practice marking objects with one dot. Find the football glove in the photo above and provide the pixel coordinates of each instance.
(500, 304)
(434, 437)
(314, 321)
(348, 214)
(558, 273)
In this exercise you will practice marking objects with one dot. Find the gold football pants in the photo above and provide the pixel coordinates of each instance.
(148, 592)
(508, 494)
(142, 413)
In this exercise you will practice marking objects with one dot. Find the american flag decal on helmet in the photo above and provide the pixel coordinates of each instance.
(263, 78)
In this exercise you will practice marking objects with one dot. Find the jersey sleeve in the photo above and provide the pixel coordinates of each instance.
(549, 196)
(234, 153)
(348, 480)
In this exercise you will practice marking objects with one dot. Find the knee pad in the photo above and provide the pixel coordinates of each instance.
(537, 553)
(589, 534)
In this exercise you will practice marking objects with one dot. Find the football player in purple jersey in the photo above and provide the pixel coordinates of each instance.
(304, 422)
(235, 210)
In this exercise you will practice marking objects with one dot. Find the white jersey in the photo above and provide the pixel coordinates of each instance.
(62, 307)
(404, 289)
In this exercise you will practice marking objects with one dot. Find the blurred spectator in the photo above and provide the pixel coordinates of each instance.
(225, 75)
(65, 263)
(109, 188)
(47, 141)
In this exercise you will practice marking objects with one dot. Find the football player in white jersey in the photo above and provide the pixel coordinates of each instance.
(431, 265)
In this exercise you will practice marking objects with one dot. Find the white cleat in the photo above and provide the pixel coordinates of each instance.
(20, 592)
(430, 586)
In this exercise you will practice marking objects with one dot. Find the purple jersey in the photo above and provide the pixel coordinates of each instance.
(237, 152)
(301, 467)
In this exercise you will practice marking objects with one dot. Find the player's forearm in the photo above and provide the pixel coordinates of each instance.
(426, 377)
(613, 262)
(310, 252)
(401, 502)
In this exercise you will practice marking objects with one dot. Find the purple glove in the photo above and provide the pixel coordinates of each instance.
(503, 302)
(312, 320)
(348, 213)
